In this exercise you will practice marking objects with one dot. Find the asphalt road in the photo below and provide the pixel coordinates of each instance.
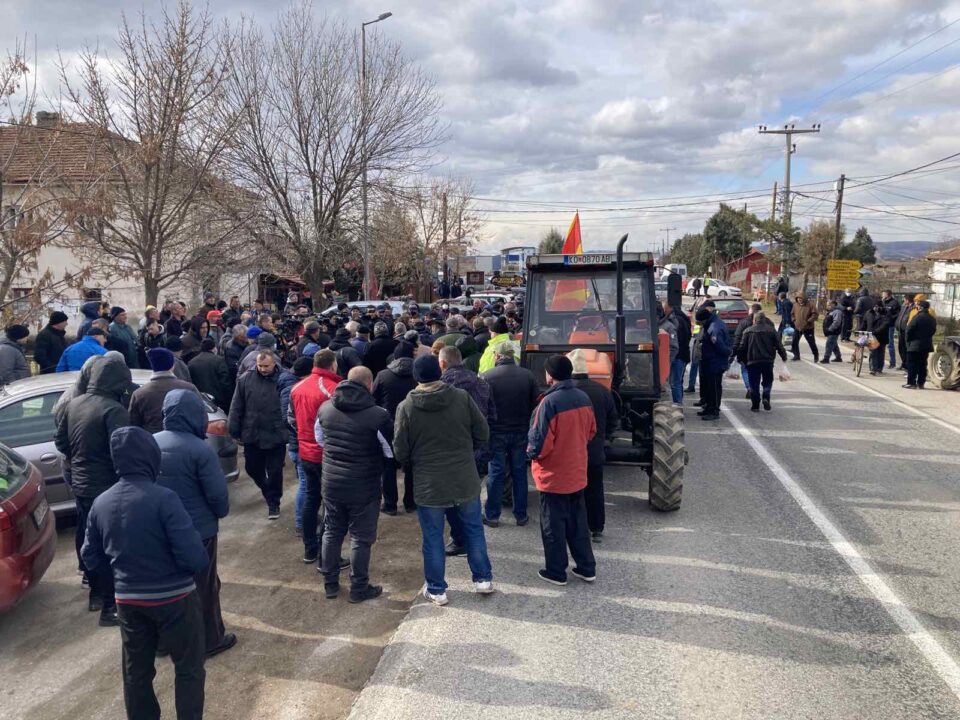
(299, 656)
(812, 572)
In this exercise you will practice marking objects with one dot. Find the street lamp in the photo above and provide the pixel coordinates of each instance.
(363, 150)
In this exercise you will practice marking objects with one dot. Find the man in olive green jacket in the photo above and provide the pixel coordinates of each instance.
(437, 428)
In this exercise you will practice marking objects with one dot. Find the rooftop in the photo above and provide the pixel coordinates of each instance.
(948, 255)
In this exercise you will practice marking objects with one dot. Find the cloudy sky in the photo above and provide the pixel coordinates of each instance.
(643, 113)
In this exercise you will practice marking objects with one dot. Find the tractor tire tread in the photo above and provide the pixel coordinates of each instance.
(669, 458)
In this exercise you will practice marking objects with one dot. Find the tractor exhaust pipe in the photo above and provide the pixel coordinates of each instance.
(620, 326)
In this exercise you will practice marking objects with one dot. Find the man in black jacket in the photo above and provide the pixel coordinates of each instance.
(605, 414)
(832, 327)
(515, 393)
(679, 366)
(380, 349)
(146, 404)
(210, 374)
(312, 334)
(83, 438)
(920, 332)
(257, 421)
(51, 342)
(847, 304)
(892, 306)
(901, 326)
(877, 322)
(759, 346)
(356, 436)
(864, 304)
(391, 388)
(233, 350)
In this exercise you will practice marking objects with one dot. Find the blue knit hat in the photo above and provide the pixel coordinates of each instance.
(426, 368)
(253, 332)
(160, 359)
(310, 349)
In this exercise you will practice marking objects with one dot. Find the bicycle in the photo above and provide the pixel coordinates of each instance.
(864, 343)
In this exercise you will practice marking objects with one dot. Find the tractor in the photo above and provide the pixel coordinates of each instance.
(605, 303)
(943, 366)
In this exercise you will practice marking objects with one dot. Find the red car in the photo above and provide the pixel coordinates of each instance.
(730, 310)
(27, 528)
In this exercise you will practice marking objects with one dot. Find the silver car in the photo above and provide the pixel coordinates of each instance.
(27, 426)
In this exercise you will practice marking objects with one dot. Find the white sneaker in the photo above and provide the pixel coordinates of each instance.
(440, 599)
(484, 587)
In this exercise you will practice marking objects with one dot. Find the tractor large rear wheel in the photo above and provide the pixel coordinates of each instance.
(669, 456)
(944, 366)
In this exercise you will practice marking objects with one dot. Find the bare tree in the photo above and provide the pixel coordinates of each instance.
(302, 130)
(162, 207)
(30, 218)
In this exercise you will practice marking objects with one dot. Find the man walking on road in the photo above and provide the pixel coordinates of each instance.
(355, 435)
(832, 327)
(920, 332)
(438, 427)
(759, 346)
(256, 421)
(191, 468)
(715, 350)
(140, 531)
(563, 425)
(607, 419)
(804, 321)
(514, 390)
(786, 313)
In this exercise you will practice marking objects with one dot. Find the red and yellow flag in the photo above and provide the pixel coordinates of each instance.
(571, 295)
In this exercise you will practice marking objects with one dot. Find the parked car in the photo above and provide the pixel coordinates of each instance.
(27, 426)
(487, 297)
(28, 537)
(730, 310)
(396, 306)
(717, 288)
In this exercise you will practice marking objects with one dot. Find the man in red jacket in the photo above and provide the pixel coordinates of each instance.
(562, 425)
(305, 400)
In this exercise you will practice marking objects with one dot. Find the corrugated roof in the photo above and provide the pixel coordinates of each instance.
(950, 254)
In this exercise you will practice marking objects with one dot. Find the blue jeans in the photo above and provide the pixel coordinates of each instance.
(694, 374)
(434, 557)
(744, 376)
(301, 489)
(677, 368)
(508, 450)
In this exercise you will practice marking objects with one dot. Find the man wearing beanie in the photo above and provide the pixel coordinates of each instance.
(180, 369)
(265, 342)
(209, 373)
(51, 342)
(438, 429)
(122, 338)
(390, 388)
(13, 363)
(562, 426)
(146, 403)
(499, 333)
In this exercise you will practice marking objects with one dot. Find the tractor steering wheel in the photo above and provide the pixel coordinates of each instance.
(583, 323)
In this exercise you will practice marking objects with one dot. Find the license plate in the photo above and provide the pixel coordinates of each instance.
(588, 259)
(40, 513)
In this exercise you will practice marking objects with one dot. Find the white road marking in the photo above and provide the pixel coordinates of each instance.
(898, 403)
(944, 665)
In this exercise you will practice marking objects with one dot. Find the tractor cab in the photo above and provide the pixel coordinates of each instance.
(606, 305)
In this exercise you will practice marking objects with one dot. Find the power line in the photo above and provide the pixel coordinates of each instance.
(893, 212)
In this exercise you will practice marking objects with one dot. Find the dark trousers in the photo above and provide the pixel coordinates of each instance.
(593, 498)
(101, 579)
(760, 375)
(811, 341)
(563, 523)
(711, 390)
(208, 588)
(390, 491)
(917, 368)
(311, 505)
(846, 326)
(178, 626)
(902, 347)
(876, 357)
(360, 520)
(832, 348)
(265, 468)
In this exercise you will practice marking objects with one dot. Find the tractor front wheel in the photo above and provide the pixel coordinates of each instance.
(669, 456)
(944, 366)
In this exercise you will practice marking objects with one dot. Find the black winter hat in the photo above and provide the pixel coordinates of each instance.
(116, 310)
(500, 326)
(559, 367)
(403, 350)
(57, 317)
(426, 368)
(17, 332)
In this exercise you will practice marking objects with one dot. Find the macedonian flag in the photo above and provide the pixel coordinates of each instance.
(571, 295)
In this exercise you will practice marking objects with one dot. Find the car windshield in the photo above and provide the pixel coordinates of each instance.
(730, 305)
(580, 308)
(13, 472)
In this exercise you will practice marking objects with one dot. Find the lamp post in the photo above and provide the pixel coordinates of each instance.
(363, 150)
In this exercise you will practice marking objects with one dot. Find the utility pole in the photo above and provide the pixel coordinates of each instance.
(665, 248)
(459, 240)
(788, 132)
(773, 216)
(839, 212)
(773, 206)
(443, 244)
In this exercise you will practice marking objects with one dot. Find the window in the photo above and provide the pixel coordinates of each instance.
(29, 421)
(12, 216)
(21, 300)
(92, 294)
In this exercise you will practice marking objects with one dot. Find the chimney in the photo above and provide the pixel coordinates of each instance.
(47, 120)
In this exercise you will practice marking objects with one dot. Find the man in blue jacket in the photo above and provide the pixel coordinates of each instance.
(77, 354)
(192, 470)
(141, 531)
(715, 349)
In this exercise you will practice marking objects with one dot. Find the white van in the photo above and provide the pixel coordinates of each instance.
(678, 268)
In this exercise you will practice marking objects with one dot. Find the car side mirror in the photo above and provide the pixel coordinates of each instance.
(674, 290)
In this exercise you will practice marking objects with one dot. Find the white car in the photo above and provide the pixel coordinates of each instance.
(717, 288)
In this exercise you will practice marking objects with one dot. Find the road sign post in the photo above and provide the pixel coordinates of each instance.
(843, 274)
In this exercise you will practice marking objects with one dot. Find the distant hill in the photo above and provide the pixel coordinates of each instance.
(904, 249)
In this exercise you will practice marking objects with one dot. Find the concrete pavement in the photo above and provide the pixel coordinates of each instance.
(737, 606)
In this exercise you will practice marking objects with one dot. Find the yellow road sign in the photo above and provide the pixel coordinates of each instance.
(843, 274)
